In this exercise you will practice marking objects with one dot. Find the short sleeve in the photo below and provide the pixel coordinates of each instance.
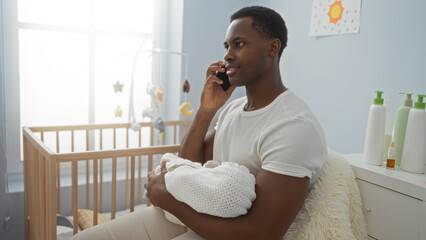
(294, 147)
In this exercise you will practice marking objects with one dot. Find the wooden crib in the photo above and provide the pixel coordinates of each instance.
(42, 168)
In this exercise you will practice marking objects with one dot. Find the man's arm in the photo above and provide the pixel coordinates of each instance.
(197, 144)
(277, 203)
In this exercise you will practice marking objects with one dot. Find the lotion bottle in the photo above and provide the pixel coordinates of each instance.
(414, 154)
(375, 134)
(400, 127)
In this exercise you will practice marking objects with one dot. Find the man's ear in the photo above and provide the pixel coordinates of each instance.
(274, 47)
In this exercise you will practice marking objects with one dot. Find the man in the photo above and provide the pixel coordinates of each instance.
(271, 131)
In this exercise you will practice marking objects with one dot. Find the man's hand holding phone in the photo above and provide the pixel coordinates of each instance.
(214, 95)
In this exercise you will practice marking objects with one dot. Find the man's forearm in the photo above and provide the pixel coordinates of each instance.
(211, 227)
(192, 146)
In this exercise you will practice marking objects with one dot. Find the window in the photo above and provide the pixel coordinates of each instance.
(63, 57)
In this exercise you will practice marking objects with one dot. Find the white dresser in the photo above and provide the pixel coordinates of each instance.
(394, 201)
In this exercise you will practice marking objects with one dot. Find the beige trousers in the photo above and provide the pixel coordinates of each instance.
(145, 224)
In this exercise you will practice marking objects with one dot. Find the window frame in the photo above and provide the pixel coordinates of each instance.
(10, 93)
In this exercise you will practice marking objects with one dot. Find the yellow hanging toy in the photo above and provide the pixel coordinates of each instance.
(183, 109)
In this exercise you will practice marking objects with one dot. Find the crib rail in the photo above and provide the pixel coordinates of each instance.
(42, 168)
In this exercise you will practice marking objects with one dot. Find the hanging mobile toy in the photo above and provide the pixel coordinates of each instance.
(183, 109)
(159, 124)
(159, 94)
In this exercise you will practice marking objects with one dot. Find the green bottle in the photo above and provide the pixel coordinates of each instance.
(401, 126)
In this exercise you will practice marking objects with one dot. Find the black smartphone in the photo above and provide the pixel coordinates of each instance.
(224, 77)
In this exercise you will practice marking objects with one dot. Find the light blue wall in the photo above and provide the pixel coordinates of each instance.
(336, 76)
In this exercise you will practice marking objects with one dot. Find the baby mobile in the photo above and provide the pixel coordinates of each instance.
(156, 92)
(118, 87)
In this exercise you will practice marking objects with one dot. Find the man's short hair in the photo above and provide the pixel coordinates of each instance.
(266, 21)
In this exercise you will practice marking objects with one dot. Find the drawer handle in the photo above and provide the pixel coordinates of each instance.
(368, 209)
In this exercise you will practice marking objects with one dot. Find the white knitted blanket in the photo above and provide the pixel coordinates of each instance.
(225, 190)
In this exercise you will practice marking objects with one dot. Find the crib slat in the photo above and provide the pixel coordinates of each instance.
(151, 142)
(95, 192)
(74, 195)
(100, 138)
(101, 184)
(150, 159)
(51, 175)
(127, 170)
(58, 174)
(115, 138)
(58, 182)
(87, 140)
(140, 170)
(164, 138)
(139, 179)
(101, 171)
(42, 194)
(57, 141)
(72, 140)
(26, 187)
(174, 134)
(140, 137)
(127, 182)
(46, 197)
(114, 187)
(114, 179)
(32, 189)
(87, 173)
(49, 210)
(150, 162)
(37, 219)
(87, 184)
(132, 184)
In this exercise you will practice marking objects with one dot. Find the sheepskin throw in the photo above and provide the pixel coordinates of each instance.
(224, 190)
(333, 208)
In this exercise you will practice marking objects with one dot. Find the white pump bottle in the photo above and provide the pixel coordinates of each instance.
(414, 153)
(375, 134)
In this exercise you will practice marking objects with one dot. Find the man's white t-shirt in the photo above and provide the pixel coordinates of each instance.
(283, 137)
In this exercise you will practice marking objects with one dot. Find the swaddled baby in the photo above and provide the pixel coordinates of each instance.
(224, 190)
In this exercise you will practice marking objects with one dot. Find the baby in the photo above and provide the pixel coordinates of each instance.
(224, 190)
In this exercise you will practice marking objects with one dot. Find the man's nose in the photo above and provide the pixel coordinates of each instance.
(228, 55)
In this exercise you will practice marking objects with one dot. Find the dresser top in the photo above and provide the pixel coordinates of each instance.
(412, 184)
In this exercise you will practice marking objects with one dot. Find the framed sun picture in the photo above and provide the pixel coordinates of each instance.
(334, 17)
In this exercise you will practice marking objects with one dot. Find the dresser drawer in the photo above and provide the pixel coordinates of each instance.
(389, 214)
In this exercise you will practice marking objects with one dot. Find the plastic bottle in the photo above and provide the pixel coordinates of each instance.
(414, 154)
(401, 119)
(390, 160)
(388, 130)
(375, 134)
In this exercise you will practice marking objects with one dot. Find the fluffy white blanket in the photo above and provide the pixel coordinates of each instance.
(333, 208)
